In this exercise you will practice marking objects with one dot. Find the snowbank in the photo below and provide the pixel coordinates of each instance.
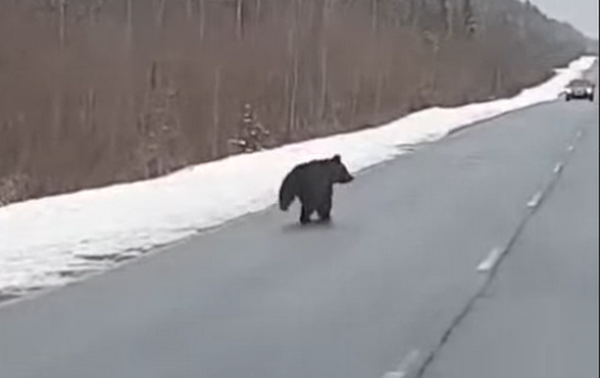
(46, 242)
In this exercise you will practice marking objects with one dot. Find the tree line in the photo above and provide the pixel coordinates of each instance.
(96, 92)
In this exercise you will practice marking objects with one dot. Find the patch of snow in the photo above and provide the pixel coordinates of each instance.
(47, 242)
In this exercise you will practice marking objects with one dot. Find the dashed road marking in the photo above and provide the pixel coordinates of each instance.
(491, 260)
(394, 374)
(535, 200)
(405, 367)
(559, 167)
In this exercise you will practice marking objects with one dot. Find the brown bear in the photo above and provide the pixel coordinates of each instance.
(312, 182)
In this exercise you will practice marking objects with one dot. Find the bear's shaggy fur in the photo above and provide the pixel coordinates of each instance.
(312, 182)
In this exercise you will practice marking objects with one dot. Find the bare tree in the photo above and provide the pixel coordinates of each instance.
(239, 17)
(62, 31)
(202, 18)
(216, 111)
(160, 6)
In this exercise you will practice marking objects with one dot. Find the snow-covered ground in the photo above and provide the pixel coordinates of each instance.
(50, 241)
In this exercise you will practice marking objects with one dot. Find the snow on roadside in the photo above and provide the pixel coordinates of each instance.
(47, 242)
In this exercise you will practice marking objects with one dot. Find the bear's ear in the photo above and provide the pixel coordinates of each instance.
(336, 158)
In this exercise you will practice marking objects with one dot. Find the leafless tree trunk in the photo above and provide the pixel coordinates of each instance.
(57, 109)
(153, 77)
(160, 13)
(216, 112)
(62, 27)
(129, 11)
(448, 15)
(90, 109)
(434, 43)
(189, 9)
(202, 19)
(374, 15)
(324, 57)
(356, 89)
(259, 9)
(378, 91)
(294, 95)
(239, 17)
(415, 12)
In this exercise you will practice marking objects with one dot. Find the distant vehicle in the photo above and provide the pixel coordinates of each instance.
(580, 89)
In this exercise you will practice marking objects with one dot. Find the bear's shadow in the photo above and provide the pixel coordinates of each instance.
(313, 225)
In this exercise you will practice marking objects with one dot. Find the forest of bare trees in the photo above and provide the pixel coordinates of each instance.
(95, 92)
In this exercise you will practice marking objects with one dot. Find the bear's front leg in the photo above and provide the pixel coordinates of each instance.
(324, 211)
(305, 214)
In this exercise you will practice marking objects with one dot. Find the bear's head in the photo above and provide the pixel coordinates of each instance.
(339, 172)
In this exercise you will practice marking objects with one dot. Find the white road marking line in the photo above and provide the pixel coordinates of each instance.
(404, 368)
(535, 200)
(571, 148)
(491, 260)
(394, 374)
(558, 167)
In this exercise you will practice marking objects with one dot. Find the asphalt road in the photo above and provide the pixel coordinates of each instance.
(539, 317)
(371, 293)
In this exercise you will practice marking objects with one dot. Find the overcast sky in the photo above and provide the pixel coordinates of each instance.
(583, 14)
